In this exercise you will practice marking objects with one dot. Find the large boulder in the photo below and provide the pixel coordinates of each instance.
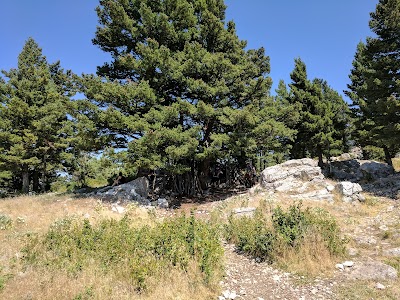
(300, 178)
(291, 175)
(349, 191)
(356, 170)
(136, 190)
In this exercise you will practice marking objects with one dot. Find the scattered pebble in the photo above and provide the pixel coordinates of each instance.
(339, 266)
(348, 264)
(383, 227)
(380, 286)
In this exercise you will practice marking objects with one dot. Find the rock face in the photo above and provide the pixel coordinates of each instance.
(291, 175)
(349, 191)
(302, 178)
(372, 270)
(356, 170)
(136, 190)
(387, 187)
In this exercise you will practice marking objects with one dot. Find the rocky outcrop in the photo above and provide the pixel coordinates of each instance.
(136, 190)
(372, 270)
(359, 170)
(349, 191)
(387, 187)
(291, 175)
(301, 178)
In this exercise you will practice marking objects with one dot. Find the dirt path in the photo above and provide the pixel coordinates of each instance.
(249, 279)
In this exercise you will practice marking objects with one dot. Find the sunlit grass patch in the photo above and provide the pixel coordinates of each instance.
(131, 255)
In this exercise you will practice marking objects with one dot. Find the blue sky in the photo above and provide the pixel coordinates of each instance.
(324, 34)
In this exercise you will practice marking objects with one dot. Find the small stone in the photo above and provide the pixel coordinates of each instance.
(118, 209)
(221, 298)
(276, 278)
(162, 203)
(380, 286)
(259, 298)
(352, 252)
(383, 228)
(348, 264)
(314, 291)
(339, 266)
(86, 216)
(20, 220)
(330, 188)
(232, 295)
(226, 294)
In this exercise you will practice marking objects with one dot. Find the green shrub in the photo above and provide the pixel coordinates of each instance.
(292, 225)
(134, 253)
(5, 222)
(260, 238)
(251, 235)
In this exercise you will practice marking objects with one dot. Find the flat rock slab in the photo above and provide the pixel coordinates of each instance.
(392, 252)
(372, 270)
(244, 211)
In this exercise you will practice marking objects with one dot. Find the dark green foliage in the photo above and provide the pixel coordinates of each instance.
(262, 238)
(375, 81)
(181, 91)
(323, 120)
(252, 235)
(142, 252)
(34, 127)
(292, 225)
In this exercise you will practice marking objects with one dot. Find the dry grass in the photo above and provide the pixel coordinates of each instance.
(91, 283)
(34, 215)
(362, 289)
(310, 259)
(396, 163)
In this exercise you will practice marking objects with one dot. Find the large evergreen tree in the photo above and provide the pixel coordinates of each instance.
(323, 123)
(181, 90)
(33, 119)
(313, 134)
(375, 81)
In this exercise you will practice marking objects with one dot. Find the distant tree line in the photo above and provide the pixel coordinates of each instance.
(183, 96)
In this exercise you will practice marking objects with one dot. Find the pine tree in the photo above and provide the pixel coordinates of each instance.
(33, 118)
(375, 81)
(181, 91)
(340, 125)
(315, 128)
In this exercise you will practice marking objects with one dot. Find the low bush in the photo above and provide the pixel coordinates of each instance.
(270, 239)
(5, 222)
(132, 254)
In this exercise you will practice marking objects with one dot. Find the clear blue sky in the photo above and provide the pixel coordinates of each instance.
(324, 34)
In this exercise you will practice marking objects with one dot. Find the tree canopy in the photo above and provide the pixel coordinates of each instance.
(375, 81)
(33, 119)
(181, 91)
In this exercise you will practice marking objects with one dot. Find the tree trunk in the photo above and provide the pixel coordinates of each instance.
(204, 173)
(388, 157)
(35, 181)
(44, 179)
(320, 158)
(25, 179)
